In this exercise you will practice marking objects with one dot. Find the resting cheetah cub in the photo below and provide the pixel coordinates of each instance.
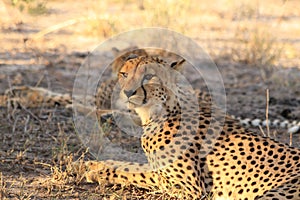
(190, 152)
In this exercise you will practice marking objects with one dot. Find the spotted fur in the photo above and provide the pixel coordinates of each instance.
(191, 152)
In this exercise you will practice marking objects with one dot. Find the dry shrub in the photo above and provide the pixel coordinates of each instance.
(101, 26)
(168, 14)
(256, 46)
(32, 7)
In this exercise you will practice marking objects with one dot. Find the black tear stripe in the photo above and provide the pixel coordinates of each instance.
(144, 90)
(142, 86)
(145, 95)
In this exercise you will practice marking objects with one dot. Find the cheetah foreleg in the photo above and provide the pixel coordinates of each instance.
(124, 173)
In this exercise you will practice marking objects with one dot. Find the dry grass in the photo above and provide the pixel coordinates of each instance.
(101, 24)
(45, 165)
(102, 27)
(32, 7)
(3, 187)
(256, 46)
(245, 10)
(168, 14)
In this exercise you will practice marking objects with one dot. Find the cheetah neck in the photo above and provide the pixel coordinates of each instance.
(174, 105)
(148, 113)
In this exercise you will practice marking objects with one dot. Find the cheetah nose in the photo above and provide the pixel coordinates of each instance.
(129, 93)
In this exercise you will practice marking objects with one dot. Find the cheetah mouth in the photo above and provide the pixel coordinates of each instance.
(133, 103)
(136, 102)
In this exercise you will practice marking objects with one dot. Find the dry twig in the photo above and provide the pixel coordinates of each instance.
(267, 112)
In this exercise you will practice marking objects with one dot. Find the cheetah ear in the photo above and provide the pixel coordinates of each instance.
(115, 51)
(131, 56)
(177, 65)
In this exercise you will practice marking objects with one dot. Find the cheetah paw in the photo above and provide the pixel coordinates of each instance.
(92, 171)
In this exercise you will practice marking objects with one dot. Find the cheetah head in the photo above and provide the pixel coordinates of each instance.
(147, 84)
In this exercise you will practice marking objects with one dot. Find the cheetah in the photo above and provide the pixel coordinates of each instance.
(191, 153)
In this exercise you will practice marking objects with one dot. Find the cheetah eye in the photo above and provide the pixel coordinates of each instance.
(123, 74)
(148, 76)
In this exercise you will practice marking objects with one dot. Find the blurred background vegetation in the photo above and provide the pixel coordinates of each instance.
(260, 33)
